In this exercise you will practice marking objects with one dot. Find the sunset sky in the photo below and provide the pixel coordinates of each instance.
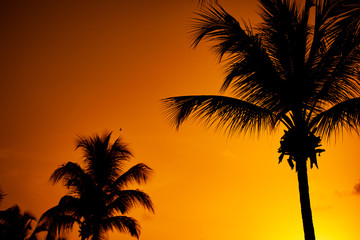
(76, 67)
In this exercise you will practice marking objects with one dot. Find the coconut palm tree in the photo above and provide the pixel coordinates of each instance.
(286, 72)
(17, 226)
(98, 199)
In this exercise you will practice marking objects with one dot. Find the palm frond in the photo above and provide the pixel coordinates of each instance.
(59, 219)
(127, 199)
(345, 115)
(72, 174)
(285, 33)
(95, 152)
(103, 159)
(119, 150)
(123, 224)
(348, 14)
(59, 225)
(336, 73)
(255, 81)
(287, 36)
(230, 114)
(38, 229)
(139, 174)
(214, 24)
(334, 57)
(324, 29)
(250, 71)
(68, 205)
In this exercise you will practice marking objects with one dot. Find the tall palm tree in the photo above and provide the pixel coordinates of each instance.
(98, 199)
(15, 225)
(286, 72)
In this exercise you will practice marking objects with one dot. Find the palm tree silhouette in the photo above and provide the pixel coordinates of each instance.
(17, 226)
(98, 199)
(288, 71)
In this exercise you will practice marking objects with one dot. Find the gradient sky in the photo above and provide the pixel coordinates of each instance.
(71, 67)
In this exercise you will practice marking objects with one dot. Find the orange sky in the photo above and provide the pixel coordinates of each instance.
(77, 67)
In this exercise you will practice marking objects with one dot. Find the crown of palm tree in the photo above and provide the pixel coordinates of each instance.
(285, 70)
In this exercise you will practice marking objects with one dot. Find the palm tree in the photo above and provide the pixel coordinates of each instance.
(17, 226)
(98, 199)
(286, 72)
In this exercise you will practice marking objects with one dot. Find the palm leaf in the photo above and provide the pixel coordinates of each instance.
(139, 174)
(127, 199)
(95, 152)
(73, 176)
(236, 115)
(336, 72)
(334, 57)
(56, 224)
(62, 217)
(325, 29)
(123, 224)
(285, 32)
(215, 25)
(103, 159)
(68, 172)
(250, 71)
(345, 115)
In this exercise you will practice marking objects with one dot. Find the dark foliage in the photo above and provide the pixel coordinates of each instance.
(286, 71)
(98, 199)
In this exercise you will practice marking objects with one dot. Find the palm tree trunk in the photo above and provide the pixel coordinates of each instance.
(305, 200)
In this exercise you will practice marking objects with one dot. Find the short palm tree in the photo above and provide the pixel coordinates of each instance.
(98, 199)
(286, 72)
(15, 225)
